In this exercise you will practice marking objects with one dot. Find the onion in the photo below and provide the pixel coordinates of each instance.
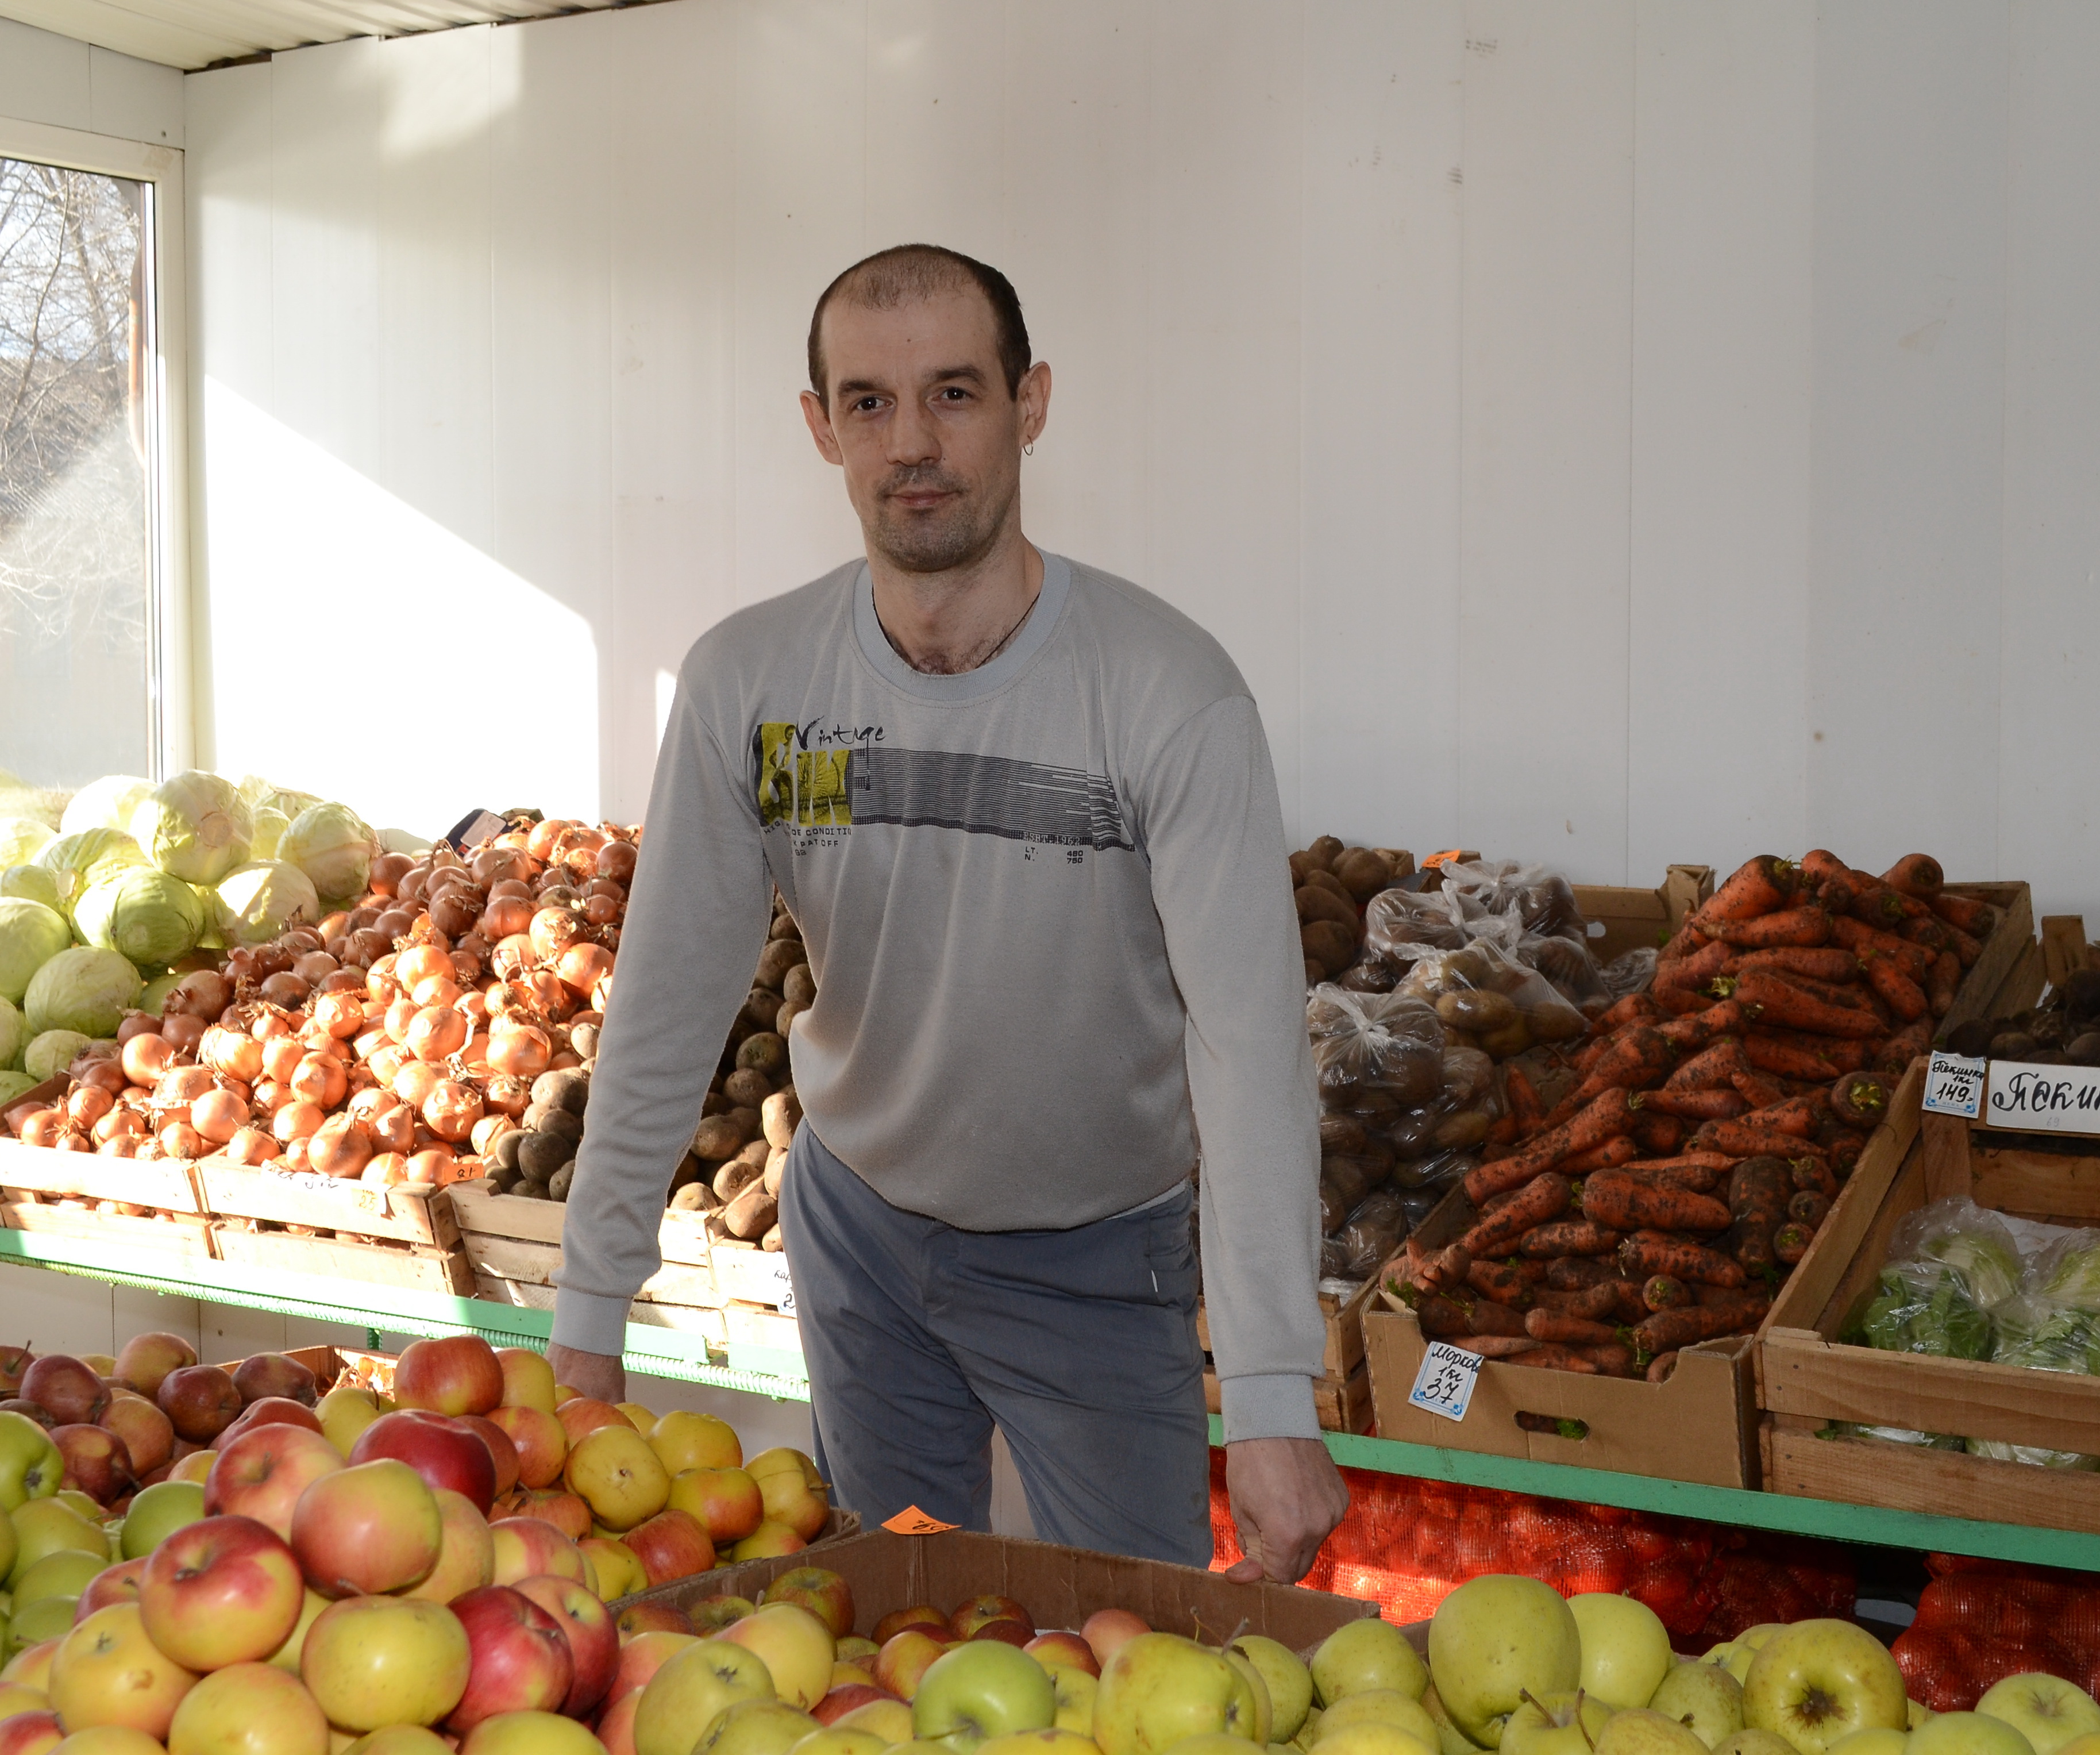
(340, 1147)
(250, 1145)
(562, 1061)
(387, 872)
(137, 1023)
(271, 960)
(616, 859)
(415, 1081)
(89, 1104)
(434, 1032)
(489, 1130)
(183, 1085)
(367, 944)
(545, 991)
(295, 1156)
(218, 1115)
(298, 940)
(335, 925)
(497, 864)
(544, 837)
(394, 1128)
(436, 990)
(385, 1169)
(178, 1139)
(315, 967)
(119, 1146)
(473, 1007)
(583, 966)
(270, 1026)
(520, 1050)
(285, 989)
(475, 1053)
(232, 1052)
(42, 1127)
(368, 1043)
(552, 931)
(400, 1015)
(455, 910)
(602, 910)
(272, 1095)
(467, 965)
(319, 1078)
(451, 1110)
(419, 964)
(395, 923)
(146, 1058)
(507, 1095)
(514, 957)
(385, 1063)
(119, 1121)
(183, 1034)
(341, 1015)
(504, 916)
(204, 993)
(280, 1055)
(297, 1120)
(344, 981)
(433, 1164)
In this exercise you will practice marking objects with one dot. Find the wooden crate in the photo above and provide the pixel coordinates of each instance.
(1996, 978)
(1807, 1379)
(1342, 1393)
(1343, 1404)
(404, 1236)
(58, 1194)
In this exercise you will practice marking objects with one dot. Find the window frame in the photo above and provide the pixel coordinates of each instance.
(170, 683)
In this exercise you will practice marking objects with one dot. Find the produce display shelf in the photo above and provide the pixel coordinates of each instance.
(401, 1310)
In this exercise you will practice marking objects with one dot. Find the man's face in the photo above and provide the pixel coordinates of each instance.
(920, 421)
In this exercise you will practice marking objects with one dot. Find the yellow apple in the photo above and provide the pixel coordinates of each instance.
(1817, 1681)
(399, 1739)
(1055, 1742)
(1876, 1739)
(65, 1573)
(890, 1720)
(528, 1380)
(1264, 1714)
(1289, 1682)
(1626, 1648)
(1704, 1698)
(1754, 1742)
(1494, 1640)
(286, 1656)
(1553, 1724)
(686, 1440)
(690, 1688)
(797, 1646)
(2047, 1710)
(1073, 1693)
(528, 1733)
(755, 1727)
(1370, 1653)
(1636, 1730)
(107, 1672)
(52, 1525)
(1369, 1737)
(849, 1676)
(619, 1568)
(248, 1709)
(107, 1739)
(1967, 1733)
(1916, 1714)
(345, 1412)
(386, 1660)
(613, 1471)
(1376, 1706)
(840, 1739)
(466, 1550)
(1155, 1689)
(1450, 1739)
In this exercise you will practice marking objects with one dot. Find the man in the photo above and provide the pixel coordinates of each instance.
(1025, 818)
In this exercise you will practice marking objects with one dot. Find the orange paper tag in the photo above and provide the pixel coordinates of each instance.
(1436, 860)
(912, 1521)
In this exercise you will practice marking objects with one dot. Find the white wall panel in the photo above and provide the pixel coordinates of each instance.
(1723, 282)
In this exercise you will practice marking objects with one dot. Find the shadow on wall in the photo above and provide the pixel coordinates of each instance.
(360, 650)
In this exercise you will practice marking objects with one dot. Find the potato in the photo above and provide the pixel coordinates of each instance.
(1326, 941)
(761, 1010)
(1326, 880)
(1314, 903)
(766, 1051)
(695, 1197)
(752, 1214)
(541, 1118)
(776, 1168)
(779, 956)
(799, 984)
(757, 1151)
(1399, 861)
(717, 1138)
(1316, 972)
(777, 1116)
(747, 1087)
(715, 1104)
(1513, 1039)
(558, 1184)
(1303, 865)
(1482, 1013)
(734, 1177)
(541, 1154)
(1363, 873)
(1462, 1128)
(747, 1119)
(771, 1242)
(1560, 1022)
(784, 927)
(1326, 850)
(1343, 1134)
(790, 1010)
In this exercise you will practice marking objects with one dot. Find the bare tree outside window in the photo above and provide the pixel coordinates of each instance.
(75, 550)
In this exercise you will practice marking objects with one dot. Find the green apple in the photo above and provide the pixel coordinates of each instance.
(987, 1688)
(1555, 1724)
(1493, 1640)
(1738, 1660)
(1757, 1638)
(1377, 1706)
(1288, 1681)
(45, 1526)
(1370, 1653)
(157, 1513)
(1368, 1736)
(755, 1727)
(1876, 1739)
(51, 1618)
(1967, 1733)
(64, 1573)
(1915, 1713)
(1755, 1743)
(1640, 1731)
(2047, 1710)
(1626, 1648)
(30, 1464)
(691, 1688)
(1704, 1698)
(1155, 1689)
(1264, 1709)
(1450, 1739)
(1817, 1681)
(1073, 1690)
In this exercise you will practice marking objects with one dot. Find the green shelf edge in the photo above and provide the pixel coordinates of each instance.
(652, 1351)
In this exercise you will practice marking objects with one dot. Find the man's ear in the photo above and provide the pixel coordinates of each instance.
(819, 421)
(1033, 394)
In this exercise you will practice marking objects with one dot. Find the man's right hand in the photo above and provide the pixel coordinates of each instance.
(600, 1376)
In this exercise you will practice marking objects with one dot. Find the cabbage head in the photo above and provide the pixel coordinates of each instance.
(12, 1084)
(259, 901)
(155, 993)
(142, 913)
(196, 827)
(259, 792)
(76, 861)
(331, 844)
(85, 989)
(14, 1036)
(2033, 1455)
(1922, 1307)
(22, 838)
(30, 936)
(403, 840)
(32, 883)
(2069, 1271)
(104, 803)
(51, 1053)
(270, 826)
(1988, 1268)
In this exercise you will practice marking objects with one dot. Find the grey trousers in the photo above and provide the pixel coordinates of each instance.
(1080, 1345)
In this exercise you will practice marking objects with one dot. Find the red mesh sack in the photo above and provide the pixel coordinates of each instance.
(1981, 1620)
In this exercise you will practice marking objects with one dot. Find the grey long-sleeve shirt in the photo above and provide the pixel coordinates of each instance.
(1044, 902)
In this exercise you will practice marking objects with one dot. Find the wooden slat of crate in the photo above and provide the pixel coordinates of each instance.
(188, 1236)
(324, 1258)
(2003, 951)
(1911, 1478)
(745, 1274)
(534, 1264)
(161, 1183)
(687, 1318)
(407, 1213)
(1343, 1404)
(2064, 948)
(480, 1210)
(761, 1325)
(1344, 1317)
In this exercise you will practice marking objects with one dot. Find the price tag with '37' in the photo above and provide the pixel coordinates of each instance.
(1444, 1386)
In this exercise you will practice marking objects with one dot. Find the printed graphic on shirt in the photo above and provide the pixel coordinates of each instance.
(811, 779)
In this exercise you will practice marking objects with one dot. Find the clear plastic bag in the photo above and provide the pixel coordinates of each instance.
(1367, 1238)
(1631, 971)
(2067, 1271)
(1975, 1243)
(1925, 1307)
(1541, 898)
(2031, 1454)
(1400, 924)
(1568, 964)
(2044, 1335)
(1374, 1042)
(1897, 1436)
(1499, 1004)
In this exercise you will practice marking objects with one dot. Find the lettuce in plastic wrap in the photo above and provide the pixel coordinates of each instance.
(1925, 1307)
(2043, 1335)
(2068, 1271)
(1974, 1242)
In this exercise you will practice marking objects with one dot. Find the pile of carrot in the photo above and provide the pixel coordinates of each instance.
(1712, 1121)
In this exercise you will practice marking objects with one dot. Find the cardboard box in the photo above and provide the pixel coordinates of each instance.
(1807, 1379)
(1342, 1393)
(1622, 920)
(1060, 1587)
(1701, 1426)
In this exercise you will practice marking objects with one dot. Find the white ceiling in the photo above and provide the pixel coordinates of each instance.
(194, 34)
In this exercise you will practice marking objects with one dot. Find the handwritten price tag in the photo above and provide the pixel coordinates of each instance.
(1954, 1085)
(912, 1521)
(1444, 1386)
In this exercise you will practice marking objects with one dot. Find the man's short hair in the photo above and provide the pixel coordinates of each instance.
(907, 271)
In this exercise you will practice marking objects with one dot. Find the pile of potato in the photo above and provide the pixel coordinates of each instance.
(1330, 884)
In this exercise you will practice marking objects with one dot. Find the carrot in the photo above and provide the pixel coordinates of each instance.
(1683, 1001)
(1691, 971)
(1437, 1315)
(1880, 905)
(1709, 1069)
(1607, 1157)
(1569, 1236)
(1758, 886)
(1525, 1107)
(1788, 927)
(1914, 960)
(1502, 1131)
(1605, 1118)
(1917, 875)
(1661, 1367)
(1904, 1047)
(1844, 1146)
(1645, 1255)
(1902, 995)
(1614, 1359)
(1546, 1196)
(1484, 1317)
(1966, 949)
(1808, 1176)
(1808, 1208)
(1929, 931)
(1794, 1054)
(1747, 1304)
(1798, 1115)
(1695, 1106)
(1662, 1292)
(1740, 1138)
(1447, 1267)
(1627, 1204)
(1757, 1194)
(1658, 1133)
(1791, 1242)
(1638, 1058)
(1556, 1358)
(1578, 1273)
(1698, 1171)
(1965, 911)
(1500, 1281)
(1779, 1001)
(1818, 963)
(1630, 1010)
(1495, 1346)
(1854, 992)
(1941, 984)
(1682, 943)
(1760, 1091)
(1828, 880)
(1570, 1331)
(1666, 1329)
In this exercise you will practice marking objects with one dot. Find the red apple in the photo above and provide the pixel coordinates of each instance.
(66, 1389)
(541, 1444)
(671, 1545)
(924, 1615)
(148, 1434)
(113, 1584)
(1063, 1650)
(262, 1473)
(1106, 1630)
(270, 1410)
(146, 1358)
(30, 1410)
(527, 1548)
(1013, 1632)
(567, 1512)
(96, 1461)
(616, 1726)
(15, 1363)
(367, 1530)
(639, 1619)
(201, 1400)
(841, 1701)
(823, 1593)
(521, 1660)
(270, 1376)
(581, 1415)
(445, 1452)
(223, 1590)
(459, 1375)
(710, 1615)
(593, 1637)
(640, 1658)
(466, 1553)
(969, 1616)
(35, 1733)
(905, 1658)
(501, 1452)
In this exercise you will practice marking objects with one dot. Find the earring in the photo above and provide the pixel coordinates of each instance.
(1029, 449)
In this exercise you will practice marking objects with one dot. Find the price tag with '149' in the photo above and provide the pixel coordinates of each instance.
(1954, 1085)
(1444, 1386)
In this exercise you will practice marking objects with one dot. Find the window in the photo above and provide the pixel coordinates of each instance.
(84, 586)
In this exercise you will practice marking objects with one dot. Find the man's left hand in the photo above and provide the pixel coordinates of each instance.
(1287, 1497)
